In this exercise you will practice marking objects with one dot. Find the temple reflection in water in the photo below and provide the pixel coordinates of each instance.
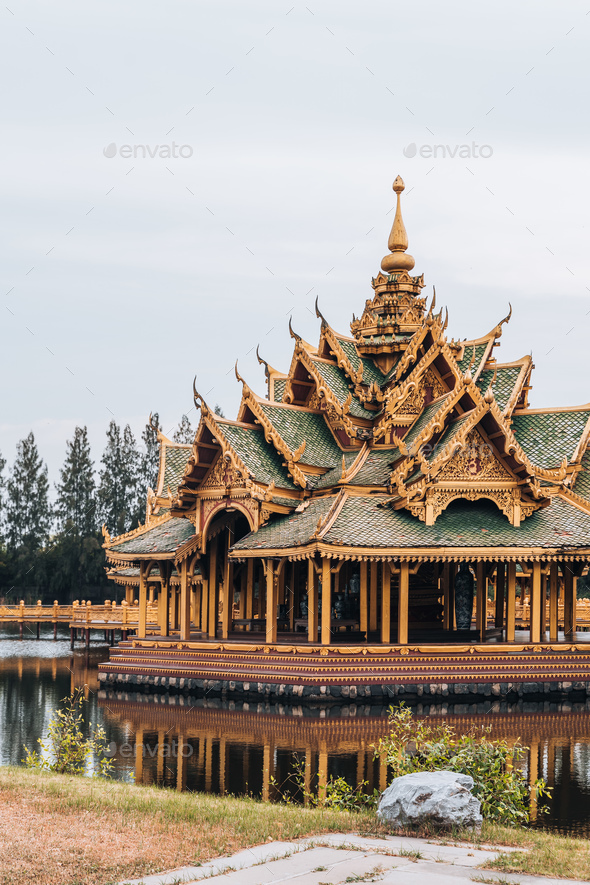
(222, 746)
(254, 749)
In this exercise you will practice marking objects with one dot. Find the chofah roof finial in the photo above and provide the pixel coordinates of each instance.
(397, 244)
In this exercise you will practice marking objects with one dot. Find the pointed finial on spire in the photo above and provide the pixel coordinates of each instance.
(398, 238)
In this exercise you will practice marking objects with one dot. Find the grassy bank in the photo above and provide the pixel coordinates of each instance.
(58, 830)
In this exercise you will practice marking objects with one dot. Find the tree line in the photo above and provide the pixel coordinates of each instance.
(51, 545)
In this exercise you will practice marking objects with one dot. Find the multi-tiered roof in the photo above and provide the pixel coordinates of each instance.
(393, 440)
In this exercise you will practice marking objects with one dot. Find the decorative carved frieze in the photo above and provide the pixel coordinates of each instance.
(476, 461)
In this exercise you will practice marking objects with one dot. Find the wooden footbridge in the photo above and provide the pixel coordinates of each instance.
(81, 617)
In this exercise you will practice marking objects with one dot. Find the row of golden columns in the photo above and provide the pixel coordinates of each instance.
(196, 606)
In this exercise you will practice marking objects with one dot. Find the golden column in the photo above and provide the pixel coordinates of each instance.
(373, 590)
(271, 601)
(141, 632)
(386, 604)
(204, 606)
(228, 592)
(243, 590)
(364, 568)
(312, 602)
(185, 602)
(326, 602)
(481, 601)
(164, 601)
(553, 602)
(403, 604)
(500, 595)
(535, 610)
(250, 589)
(511, 603)
(212, 607)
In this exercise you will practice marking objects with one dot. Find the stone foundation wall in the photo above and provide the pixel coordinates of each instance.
(287, 693)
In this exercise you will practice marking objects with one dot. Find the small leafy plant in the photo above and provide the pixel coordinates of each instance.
(67, 750)
(499, 783)
(336, 794)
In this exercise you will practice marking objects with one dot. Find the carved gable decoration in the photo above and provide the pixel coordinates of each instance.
(474, 462)
(433, 382)
(222, 475)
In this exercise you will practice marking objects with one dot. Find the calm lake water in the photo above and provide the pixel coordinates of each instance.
(219, 746)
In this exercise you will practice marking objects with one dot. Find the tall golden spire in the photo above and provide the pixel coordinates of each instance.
(397, 244)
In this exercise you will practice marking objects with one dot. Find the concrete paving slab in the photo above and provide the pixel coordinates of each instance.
(455, 853)
(337, 858)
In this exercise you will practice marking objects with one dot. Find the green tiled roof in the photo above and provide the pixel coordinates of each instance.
(164, 538)
(503, 386)
(371, 372)
(423, 419)
(294, 426)
(285, 502)
(279, 389)
(332, 477)
(287, 531)
(336, 380)
(549, 437)
(259, 456)
(176, 458)
(582, 483)
(377, 468)
(449, 433)
(480, 350)
(362, 523)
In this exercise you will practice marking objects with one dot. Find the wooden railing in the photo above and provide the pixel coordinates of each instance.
(523, 613)
(105, 616)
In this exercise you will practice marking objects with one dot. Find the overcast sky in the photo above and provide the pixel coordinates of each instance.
(124, 276)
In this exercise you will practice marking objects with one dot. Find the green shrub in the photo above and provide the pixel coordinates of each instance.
(337, 794)
(499, 783)
(66, 750)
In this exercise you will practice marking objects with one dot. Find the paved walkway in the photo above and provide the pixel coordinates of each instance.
(340, 859)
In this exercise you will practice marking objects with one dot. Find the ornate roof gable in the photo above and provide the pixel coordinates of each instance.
(476, 449)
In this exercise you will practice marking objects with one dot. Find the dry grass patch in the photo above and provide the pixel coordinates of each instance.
(60, 830)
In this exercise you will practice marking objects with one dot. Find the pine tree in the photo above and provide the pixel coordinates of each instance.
(218, 410)
(2, 500)
(118, 492)
(75, 507)
(75, 561)
(151, 454)
(134, 470)
(4, 568)
(184, 433)
(28, 513)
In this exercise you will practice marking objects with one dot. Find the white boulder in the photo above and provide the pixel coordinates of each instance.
(440, 798)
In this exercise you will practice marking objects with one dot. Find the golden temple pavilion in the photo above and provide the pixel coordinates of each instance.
(392, 511)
